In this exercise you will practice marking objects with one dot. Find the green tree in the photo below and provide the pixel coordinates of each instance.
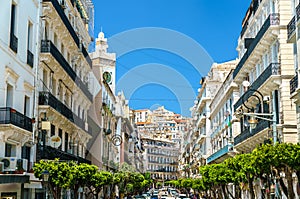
(82, 175)
(282, 157)
(60, 175)
(98, 181)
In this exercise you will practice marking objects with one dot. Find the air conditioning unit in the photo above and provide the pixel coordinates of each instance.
(10, 163)
(22, 164)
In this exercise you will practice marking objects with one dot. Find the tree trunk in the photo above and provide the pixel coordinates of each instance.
(283, 187)
(250, 184)
(223, 187)
(289, 178)
(231, 194)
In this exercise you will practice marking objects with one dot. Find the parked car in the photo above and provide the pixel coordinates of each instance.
(154, 196)
(146, 195)
(139, 197)
(182, 196)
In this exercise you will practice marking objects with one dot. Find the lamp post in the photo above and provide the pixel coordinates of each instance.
(263, 116)
(45, 175)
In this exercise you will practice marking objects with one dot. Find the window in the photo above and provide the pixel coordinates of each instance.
(29, 44)
(60, 135)
(52, 130)
(13, 27)
(10, 150)
(27, 106)
(45, 80)
(66, 141)
(25, 152)
(9, 96)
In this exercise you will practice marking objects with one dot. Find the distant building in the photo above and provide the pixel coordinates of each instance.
(161, 133)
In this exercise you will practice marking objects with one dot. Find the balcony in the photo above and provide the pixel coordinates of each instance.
(13, 43)
(220, 153)
(46, 98)
(50, 153)
(291, 30)
(264, 79)
(272, 20)
(201, 119)
(263, 124)
(298, 12)
(48, 47)
(70, 28)
(30, 58)
(11, 116)
(293, 84)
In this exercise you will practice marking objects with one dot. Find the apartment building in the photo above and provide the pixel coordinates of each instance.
(200, 148)
(19, 62)
(293, 38)
(263, 75)
(161, 158)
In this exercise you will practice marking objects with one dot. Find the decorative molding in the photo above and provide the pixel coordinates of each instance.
(28, 87)
(11, 75)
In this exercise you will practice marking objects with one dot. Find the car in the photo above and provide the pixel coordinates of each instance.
(146, 195)
(139, 197)
(154, 196)
(182, 196)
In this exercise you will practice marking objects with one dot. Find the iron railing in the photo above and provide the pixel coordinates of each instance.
(291, 27)
(294, 84)
(298, 11)
(46, 98)
(273, 19)
(48, 47)
(247, 133)
(11, 116)
(272, 69)
(70, 28)
(50, 153)
(218, 154)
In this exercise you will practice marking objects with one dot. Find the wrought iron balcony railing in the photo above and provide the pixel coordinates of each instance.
(48, 47)
(298, 12)
(46, 98)
(50, 153)
(294, 84)
(291, 27)
(261, 125)
(11, 116)
(272, 69)
(272, 20)
(30, 58)
(13, 43)
(219, 153)
(70, 28)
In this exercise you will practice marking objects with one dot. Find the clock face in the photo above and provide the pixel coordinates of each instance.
(107, 77)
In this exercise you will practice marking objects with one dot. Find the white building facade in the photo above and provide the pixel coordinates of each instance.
(19, 62)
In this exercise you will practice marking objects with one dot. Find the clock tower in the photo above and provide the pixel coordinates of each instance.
(107, 61)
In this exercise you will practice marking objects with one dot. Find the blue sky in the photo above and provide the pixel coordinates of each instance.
(213, 25)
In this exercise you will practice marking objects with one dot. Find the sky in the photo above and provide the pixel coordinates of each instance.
(164, 47)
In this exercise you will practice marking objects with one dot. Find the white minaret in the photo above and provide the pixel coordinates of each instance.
(107, 61)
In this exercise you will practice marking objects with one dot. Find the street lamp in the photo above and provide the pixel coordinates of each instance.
(263, 116)
(45, 175)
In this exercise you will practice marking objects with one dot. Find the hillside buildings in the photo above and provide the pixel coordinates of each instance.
(161, 133)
